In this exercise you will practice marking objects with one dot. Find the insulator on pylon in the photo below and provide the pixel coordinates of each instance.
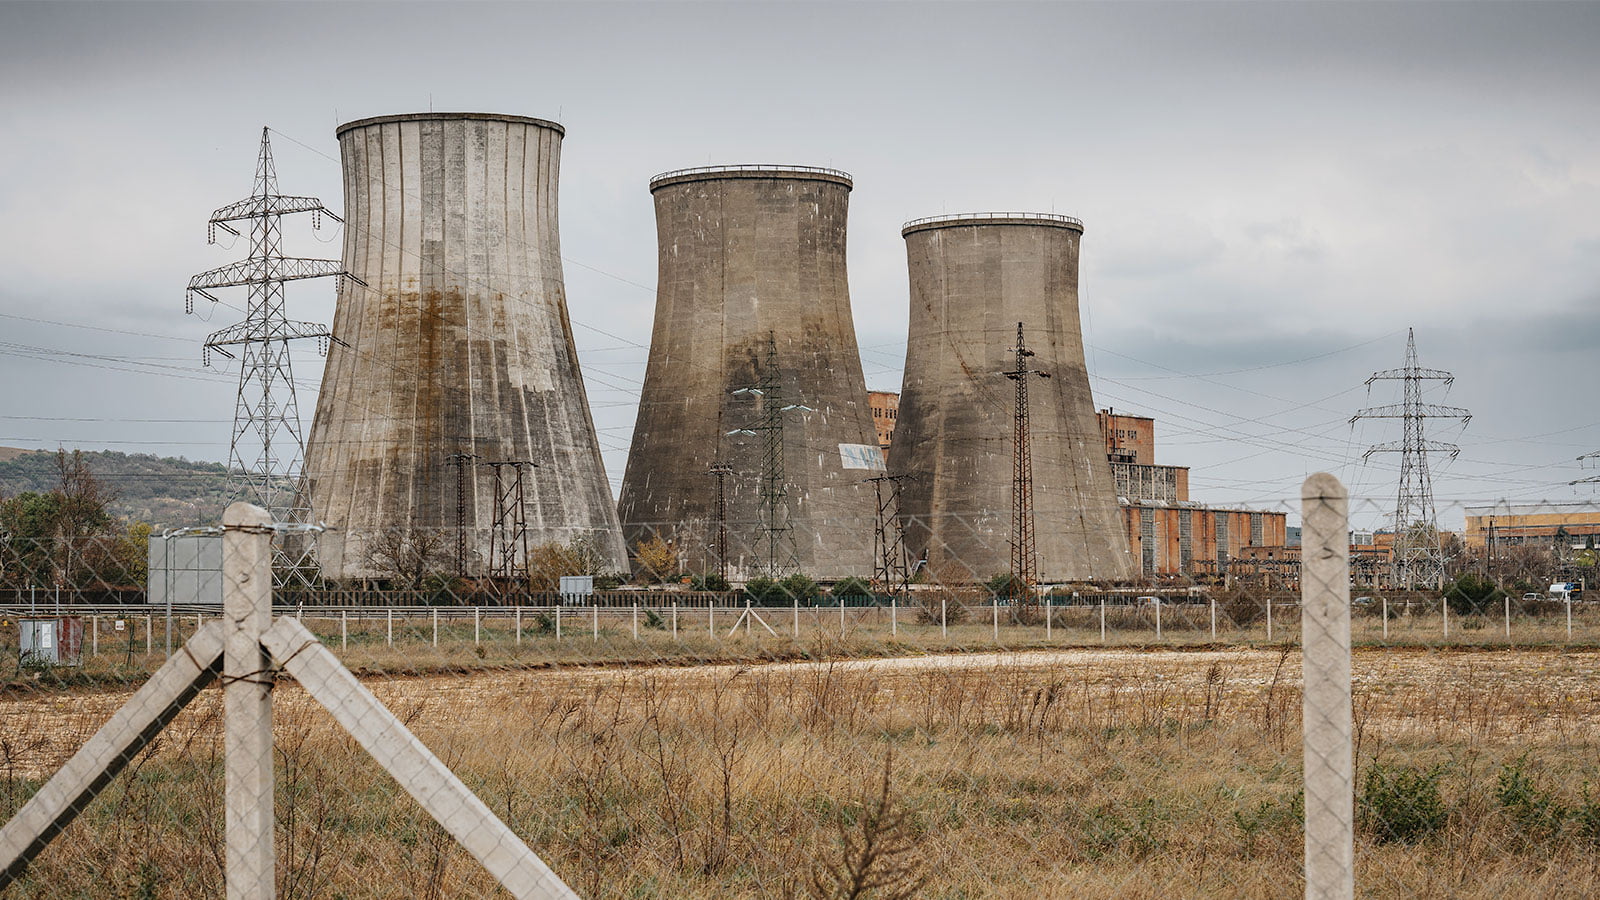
(205, 357)
(322, 345)
(316, 220)
(211, 232)
(188, 303)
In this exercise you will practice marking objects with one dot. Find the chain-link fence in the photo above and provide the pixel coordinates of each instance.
(705, 726)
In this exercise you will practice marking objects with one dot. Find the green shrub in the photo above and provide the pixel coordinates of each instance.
(710, 581)
(1401, 805)
(852, 587)
(799, 587)
(1535, 813)
(1471, 595)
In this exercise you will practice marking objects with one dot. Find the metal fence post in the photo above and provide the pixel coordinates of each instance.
(1325, 639)
(247, 698)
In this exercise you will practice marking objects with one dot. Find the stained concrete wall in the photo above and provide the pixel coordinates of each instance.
(973, 278)
(458, 343)
(749, 253)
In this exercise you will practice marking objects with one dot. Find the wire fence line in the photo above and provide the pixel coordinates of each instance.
(941, 740)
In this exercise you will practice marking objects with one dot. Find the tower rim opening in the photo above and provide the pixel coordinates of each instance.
(719, 173)
(959, 220)
(448, 117)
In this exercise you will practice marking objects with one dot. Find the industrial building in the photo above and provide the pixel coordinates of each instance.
(452, 405)
(885, 412)
(1174, 535)
(1560, 526)
(754, 433)
(974, 277)
(1131, 448)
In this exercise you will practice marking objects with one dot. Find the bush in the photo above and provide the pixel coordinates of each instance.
(1006, 586)
(710, 581)
(1401, 805)
(1535, 813)
(1471, 595)
(800, 587)
(852, 587)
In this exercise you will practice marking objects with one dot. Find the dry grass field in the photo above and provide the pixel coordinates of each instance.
(1082, 773)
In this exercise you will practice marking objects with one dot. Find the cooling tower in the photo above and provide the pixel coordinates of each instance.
(457, 343)
(753, 365)
(973, 278)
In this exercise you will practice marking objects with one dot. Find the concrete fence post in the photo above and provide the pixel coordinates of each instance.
(1158, 618)
(344, 630)
(636, 621)
(1325, 639)
(477, 625)
(391, 626)
(517, 618)
(1102, 618)
(247, 702)
(1569, 618)
(894, 616)
(1444, 615)
(1213, 619)
(996, 606)
(1508, 617)
(149, 634)
(94, 635)
(1386, 618)
(944, 617)
(594, 613)
(1269, 616)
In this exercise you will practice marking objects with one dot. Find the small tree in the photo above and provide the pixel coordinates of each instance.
(800, 587)
(708, 582)
(657, 559)
(1471, 595)
(407, 556)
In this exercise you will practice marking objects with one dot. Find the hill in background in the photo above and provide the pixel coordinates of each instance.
(160, 490)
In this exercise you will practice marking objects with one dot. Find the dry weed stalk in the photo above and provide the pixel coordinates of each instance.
(877, 857)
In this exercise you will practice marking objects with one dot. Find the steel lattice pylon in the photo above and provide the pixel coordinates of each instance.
(266, 449)
(782, 557)
(1418, 557)
(1024, 552)
(891, 570)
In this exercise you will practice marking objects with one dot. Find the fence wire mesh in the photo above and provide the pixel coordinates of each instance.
(673, 732)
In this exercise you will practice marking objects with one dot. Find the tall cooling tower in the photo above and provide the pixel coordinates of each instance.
(752, 296)
(973, 278)
(458, 343)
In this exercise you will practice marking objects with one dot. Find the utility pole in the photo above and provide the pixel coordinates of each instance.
(1024, 551)
(721, 471)
(891, 571)
(781, 554)
(508, 539)
(1418, 557)
(463, 463)
(266, 449)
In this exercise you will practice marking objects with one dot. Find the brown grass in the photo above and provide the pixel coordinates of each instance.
(1114, 773)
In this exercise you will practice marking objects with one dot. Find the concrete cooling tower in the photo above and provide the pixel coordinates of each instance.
(754, 366)
(457, 344)
(973, 278)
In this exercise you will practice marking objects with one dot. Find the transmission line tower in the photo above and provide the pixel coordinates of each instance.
(890, 570)
(781, 554)
(721, 471)
(1418, 557)
(1024, 552)
(265, 453)
(464, 463)
(1592, 479)
(508, 538)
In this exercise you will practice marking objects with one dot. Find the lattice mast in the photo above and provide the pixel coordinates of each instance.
(1418, 557)
(1024, 550)
(781, 555)
(721, 471)
(508, 539)
(267, 446)
(891, 571)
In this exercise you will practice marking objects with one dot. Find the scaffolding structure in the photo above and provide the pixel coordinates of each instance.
(1418, 557)
(267, 447)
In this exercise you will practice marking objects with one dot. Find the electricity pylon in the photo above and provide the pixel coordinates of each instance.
(782, 557)
(891, 571)
(721, 471)
(1024, 550)
(1418, 557)
(266, 449)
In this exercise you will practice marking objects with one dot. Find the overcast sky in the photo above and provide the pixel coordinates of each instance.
(1272, 194)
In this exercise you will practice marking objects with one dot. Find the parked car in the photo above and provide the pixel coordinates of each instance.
(1362, 601)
